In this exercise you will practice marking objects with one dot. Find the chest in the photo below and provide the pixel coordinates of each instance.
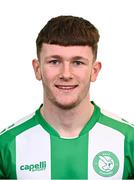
(94, 155)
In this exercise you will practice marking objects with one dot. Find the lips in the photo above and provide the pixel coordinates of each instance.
(66, 87)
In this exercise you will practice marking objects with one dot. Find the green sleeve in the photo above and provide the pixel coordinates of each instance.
(7, 157)
(2, 176)
(129, 156)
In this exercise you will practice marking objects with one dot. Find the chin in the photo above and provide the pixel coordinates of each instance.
(66, 106)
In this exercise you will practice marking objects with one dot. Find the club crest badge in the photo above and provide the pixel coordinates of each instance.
(106, 164)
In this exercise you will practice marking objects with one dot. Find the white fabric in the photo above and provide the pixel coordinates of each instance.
(33, 147)
(103, 138)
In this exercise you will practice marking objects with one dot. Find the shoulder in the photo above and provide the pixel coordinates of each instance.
(117, 123)
(9, 134)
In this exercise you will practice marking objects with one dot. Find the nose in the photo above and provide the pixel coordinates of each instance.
(66, 72)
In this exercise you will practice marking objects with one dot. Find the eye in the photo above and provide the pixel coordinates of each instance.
(54, 61)
(78, 62)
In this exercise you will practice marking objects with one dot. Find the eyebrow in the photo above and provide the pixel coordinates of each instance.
(53, 56)
(79, 57)
(60, 57)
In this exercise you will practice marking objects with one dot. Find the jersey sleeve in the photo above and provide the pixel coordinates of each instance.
(132, 157)
(129, 154)
(7, 159)
(2, 176)
(3, 156)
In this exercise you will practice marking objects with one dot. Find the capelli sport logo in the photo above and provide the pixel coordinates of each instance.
(41, 166)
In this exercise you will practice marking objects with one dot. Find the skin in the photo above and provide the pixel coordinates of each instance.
(66, 73)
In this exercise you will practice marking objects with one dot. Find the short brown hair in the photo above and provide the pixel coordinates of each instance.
(68, 31)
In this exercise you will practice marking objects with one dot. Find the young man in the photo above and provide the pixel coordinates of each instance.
(68, 137)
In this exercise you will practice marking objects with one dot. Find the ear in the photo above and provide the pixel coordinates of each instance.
(36, 67)
(95, 70)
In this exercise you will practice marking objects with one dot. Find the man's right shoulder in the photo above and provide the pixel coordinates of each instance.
(10, 133)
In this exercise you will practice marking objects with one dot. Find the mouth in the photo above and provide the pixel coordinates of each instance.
(66, 87)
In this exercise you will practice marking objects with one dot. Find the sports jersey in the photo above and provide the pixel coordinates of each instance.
(33, 149)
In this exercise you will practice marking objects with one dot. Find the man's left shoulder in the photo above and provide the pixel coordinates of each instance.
(117, 123)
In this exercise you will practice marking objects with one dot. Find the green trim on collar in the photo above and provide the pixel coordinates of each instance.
(89, 125)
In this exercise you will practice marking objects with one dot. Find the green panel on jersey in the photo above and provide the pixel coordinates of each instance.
(10, 160)
(69, 157)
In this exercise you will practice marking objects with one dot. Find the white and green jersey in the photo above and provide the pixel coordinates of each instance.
(32, 149)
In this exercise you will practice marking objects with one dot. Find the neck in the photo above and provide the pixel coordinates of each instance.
(68, 123)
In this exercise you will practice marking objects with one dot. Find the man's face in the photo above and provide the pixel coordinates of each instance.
(66, 73)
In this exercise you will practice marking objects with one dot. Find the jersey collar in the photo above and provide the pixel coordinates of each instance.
(89, 125)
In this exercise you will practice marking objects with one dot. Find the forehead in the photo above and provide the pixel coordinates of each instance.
(66, 51)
